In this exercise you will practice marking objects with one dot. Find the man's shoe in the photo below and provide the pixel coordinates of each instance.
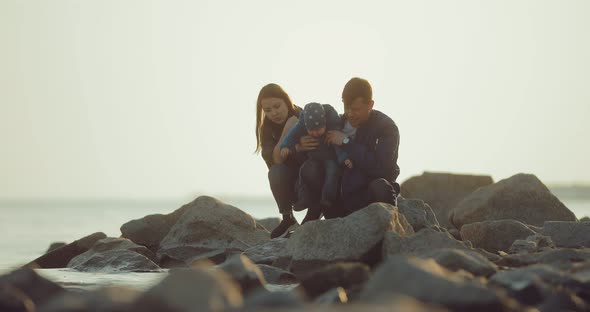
(283, 228)
(312, 214)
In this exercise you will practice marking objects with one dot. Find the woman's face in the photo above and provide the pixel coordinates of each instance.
(275, 109)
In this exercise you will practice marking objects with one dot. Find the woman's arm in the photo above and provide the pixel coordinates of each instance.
(276, 157)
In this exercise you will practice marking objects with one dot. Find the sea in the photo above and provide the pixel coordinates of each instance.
(28, 227)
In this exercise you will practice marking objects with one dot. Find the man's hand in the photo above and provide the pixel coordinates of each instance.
(335, 137)
(348, 163)
(307, 143)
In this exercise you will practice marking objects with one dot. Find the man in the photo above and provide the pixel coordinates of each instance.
(372, 148)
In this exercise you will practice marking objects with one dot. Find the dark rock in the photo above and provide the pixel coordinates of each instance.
(417, 213)
(13, 299)
(111, 299)
(559, 258)
(456, 234)
(532, 243)
(277, 276)
(264, 300)
(60, 257)
(268, 252)
(245, 272)
(442, 191)
(568, 234)
(521, 197)
(345, 275)
(495, 235)
(351, 238)
(333, 296)
(563, 301)
(33, 286)
(150, 230)
(428, 282)
(461, 259)
(269, 223)
(55, 245)
(197, 289)
(209, 225)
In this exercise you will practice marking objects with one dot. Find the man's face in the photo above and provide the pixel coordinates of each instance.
(317, 132)
(357, 112)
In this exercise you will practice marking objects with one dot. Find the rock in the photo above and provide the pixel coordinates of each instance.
(563, 301)
(55, 245)
(245, 272)
(269, 223)
(352, 238)
(113, 261)
(150, 230)
(456, 234)
(112, 244)
(532, 243)
(568, 234)
(263, 300)
(268, 252)
(461, 259)
(30, 285)
(531, 285)
(521, 197)
(396, 303)
(428, 282)
(333, 296)
(277, 276)
(345, 275)
(442, 191)
(207, 226)
(417, 213)
(111, 298)
(13, 299)
(424, 240)
(495, 235)
(196, 289)
(60, 257)
(559, 258)
(585, 219)
(522, 246)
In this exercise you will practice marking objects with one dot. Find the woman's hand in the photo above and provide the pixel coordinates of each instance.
(307, 143)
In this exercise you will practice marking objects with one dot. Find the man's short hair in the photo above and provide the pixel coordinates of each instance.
(355, 88)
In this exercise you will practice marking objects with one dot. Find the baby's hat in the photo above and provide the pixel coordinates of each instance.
(315, 116)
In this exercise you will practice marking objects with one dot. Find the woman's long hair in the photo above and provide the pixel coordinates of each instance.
(271, 90)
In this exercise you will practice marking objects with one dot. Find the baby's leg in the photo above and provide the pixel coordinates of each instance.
(331, 182)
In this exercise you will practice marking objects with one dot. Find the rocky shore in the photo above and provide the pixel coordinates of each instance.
(453, 243)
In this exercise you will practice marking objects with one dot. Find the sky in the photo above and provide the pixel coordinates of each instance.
(156, 99)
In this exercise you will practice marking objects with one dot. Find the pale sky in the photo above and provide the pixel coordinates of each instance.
(156, 99)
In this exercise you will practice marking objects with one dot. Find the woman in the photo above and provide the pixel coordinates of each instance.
(275, 116)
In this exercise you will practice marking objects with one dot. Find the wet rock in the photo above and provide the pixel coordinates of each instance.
(245, 272)
(113, 261)
(13, 299)
(60, 257)
(267, 252)
(495, 235)
(111, 299)
(30, 285)
(55, 245)
(345, 275)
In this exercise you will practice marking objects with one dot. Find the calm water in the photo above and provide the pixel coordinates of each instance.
(27, 229)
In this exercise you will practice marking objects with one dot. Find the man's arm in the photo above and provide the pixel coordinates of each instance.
(379, 162)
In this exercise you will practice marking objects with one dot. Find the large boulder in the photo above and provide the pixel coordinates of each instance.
(428, 282)
(522, 197)
(495, 235)
(207, 227)
(442, 191)
(568, 234)
(26, 283)
(418, 213)
(60, 257)
(197, 289)
(115, 255)
(151, 229)
(345, 239)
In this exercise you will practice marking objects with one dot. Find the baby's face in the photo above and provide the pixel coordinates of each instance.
(317, 132)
